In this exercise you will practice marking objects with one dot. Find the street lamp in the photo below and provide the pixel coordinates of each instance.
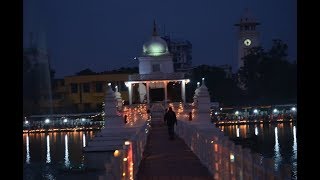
(47, 121)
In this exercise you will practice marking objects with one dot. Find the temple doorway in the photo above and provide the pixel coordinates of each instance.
(156, 94)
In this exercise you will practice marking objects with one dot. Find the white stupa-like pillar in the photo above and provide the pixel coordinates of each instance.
(118, 98)
(196, 92)
(183, 91)
(204, 103)
(111, 117)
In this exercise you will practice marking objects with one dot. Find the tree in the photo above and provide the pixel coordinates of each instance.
(268, 76)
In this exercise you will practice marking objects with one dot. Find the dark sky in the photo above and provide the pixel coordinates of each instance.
(108, 34)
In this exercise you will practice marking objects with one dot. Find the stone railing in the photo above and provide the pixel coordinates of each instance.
(125, 162)
(156, 76)
(223, 158)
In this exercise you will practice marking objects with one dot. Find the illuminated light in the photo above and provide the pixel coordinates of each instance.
(236, 113)
(255, 111)
(216, 147)
(109, 84)
(65, 120)
(202, 79)
(238, 132)
(116, 153)
(293, 109)
(26, 122)
(123, 174)
(127, 143)
(231, 157)
(211, 142)
(220, 109)
(47, 121)
(125, 159)
(256, 130)
(215, 113)
(82, 119)
(187, 81)
(275, 110)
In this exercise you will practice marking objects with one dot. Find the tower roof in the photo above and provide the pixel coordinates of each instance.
(247, 18)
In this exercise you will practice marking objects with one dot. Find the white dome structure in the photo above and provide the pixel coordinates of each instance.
(155, 47)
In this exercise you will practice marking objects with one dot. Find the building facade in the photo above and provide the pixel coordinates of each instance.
(85, 93)
(181, 51)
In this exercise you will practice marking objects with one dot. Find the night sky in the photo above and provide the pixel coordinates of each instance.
(107, 34)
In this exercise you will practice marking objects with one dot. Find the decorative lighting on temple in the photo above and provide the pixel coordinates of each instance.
(231, 157)
(127, 143)
(116, 153)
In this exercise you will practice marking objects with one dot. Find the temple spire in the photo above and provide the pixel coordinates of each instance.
(154, 33)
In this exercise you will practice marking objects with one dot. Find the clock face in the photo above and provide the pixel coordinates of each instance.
(247, 42)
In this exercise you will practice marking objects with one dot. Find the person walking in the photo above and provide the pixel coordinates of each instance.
(171, 119)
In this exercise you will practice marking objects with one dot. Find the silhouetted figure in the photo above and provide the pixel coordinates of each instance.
(170, 118)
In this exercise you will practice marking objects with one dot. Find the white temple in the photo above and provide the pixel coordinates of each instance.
(155, 72)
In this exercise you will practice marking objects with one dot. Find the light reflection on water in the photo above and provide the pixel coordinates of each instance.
(28, 150)
(54, 154)
(277, 155)
(83, 140)
(48, 150)
(294, 151)
(277, 141)
(256, 131)
(66, 154)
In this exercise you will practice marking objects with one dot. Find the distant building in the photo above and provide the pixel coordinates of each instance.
(181, 51)
(248, 35)
(85, 93)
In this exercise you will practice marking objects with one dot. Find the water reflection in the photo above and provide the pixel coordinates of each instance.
(48, 150)
(28, 150)
(277, 155)
(66, 151)
(256, 131)
(277, 141)
(83, 140)
(294, 151)
(238, 132)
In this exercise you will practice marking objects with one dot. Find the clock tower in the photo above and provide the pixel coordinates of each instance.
(248, 36)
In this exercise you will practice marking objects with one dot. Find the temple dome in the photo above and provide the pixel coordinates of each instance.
(156, 46)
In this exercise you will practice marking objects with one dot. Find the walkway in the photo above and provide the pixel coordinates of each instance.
(166, 159)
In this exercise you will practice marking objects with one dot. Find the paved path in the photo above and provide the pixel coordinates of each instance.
(169, 159)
